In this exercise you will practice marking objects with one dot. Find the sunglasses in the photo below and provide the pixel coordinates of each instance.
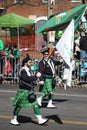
(46, 54)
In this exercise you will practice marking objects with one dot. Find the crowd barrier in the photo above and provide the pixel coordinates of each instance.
(9, 73)
(9, 70)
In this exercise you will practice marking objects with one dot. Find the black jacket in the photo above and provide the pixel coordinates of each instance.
(45, 68)
(26, 81)
(83, 43)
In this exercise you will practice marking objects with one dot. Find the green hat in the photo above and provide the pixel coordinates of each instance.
(60, 33)
(1, 45)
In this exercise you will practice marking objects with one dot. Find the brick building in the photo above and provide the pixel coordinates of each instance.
(36, 8)
(33, 9)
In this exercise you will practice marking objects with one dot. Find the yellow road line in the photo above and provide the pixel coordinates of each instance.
(5, 117)
(74, 122)
(50, 120)
(71, 122)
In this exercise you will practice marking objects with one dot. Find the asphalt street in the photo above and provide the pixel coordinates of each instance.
(70, 114)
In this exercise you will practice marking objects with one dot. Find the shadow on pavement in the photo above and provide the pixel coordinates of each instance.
(45, 101)
(25, 119)
(55, 118)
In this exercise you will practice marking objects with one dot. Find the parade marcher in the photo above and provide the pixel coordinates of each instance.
(24, 97)
(47, 69)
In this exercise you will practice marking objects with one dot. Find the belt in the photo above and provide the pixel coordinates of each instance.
(49, 76)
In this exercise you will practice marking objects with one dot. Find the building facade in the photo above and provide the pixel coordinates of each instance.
(35, 9)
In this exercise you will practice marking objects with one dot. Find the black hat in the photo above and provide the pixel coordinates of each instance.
(44, 50)
(25, 60)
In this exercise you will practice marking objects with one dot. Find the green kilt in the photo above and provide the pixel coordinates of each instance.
(48, 86)
(21, 99)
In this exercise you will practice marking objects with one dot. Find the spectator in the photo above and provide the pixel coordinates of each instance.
(14, 59)
(1, 60)
(83, 46)
(58, 35)
(8, 49)
(34, 66)
(58, 66)
(77, 46)
(8, 67)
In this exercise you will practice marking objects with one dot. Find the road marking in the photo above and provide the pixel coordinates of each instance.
(51, 120)
(74, 122)
(6, 91)
(71, 95)
(5, 117)
(57, 94)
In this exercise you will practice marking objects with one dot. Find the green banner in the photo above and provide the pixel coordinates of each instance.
(61, 20)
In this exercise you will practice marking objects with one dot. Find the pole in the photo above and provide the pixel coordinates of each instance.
(49, 13)
(5, 7)
(18, 37)
(49, 8)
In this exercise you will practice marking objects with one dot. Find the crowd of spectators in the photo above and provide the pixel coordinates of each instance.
(10, 57)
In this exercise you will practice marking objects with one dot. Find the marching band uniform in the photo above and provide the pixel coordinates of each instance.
(25, 87)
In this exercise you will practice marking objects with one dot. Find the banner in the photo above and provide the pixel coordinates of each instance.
(66, 43)
(60, 20)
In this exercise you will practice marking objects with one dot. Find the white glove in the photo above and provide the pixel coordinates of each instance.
(38, 74)
(41, 82)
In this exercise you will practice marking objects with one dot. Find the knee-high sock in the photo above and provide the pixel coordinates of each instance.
(16, 111)
(44, 95)
(36, 110)
(50, 97)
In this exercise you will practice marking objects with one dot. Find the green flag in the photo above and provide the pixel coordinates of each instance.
(61, 20)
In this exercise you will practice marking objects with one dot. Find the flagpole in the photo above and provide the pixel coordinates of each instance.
(18, 37)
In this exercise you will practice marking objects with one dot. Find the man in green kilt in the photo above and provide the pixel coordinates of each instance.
(25, 96)
(47, 69)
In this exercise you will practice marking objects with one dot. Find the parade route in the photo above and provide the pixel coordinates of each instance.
(71, 111)
(52, 121)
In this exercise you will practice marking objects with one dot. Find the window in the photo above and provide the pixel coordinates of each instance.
(76, 0)
(1, 11)
(18, 1)
(45, 1)
(15, 1)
